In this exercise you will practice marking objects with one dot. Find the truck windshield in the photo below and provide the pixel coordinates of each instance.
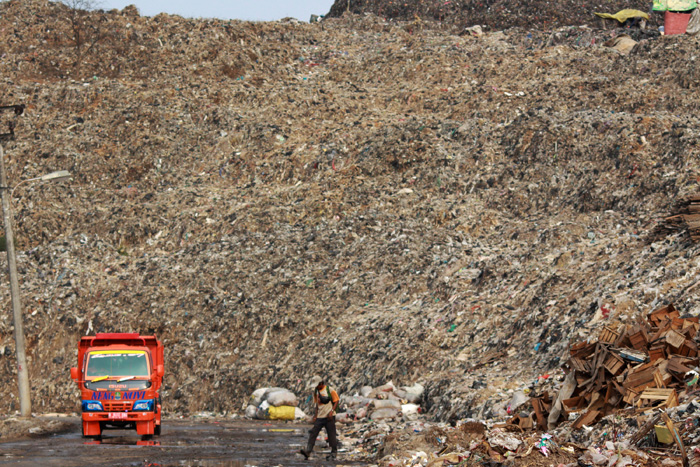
(115, 363)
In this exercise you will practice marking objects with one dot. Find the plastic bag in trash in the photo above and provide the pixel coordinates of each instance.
(694, 23)
(388, 387)
(344, 418)
(381, 414)
(518, 399)
(354, 401)
(365, 391)
(262, 411)
(592, 457)
(257, 397)
(282, 397)
(410, 411)
(504, 440)
(386, 404)
(416, 389)
(250, 411)
(283, 412)
(269, 391)
(413, 393)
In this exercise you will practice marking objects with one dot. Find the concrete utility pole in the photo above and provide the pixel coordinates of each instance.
(25, 402)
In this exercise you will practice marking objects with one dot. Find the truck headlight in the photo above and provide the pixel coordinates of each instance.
(92, 406)
(143, 406)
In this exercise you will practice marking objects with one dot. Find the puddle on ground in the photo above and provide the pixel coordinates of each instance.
(215, 462)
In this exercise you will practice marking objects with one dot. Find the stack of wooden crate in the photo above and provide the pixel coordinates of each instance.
(688, 216)
(643, 366)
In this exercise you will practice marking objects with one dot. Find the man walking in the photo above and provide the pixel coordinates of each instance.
(326, 402)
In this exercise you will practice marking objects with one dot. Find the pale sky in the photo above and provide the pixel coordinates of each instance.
(250, 10)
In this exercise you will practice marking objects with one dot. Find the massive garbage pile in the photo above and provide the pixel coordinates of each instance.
(366, 199)
(495, 14)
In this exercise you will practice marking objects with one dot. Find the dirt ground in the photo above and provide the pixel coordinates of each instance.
(18, 428)
(195, 442)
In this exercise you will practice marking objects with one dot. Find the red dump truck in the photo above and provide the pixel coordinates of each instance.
(119, 375)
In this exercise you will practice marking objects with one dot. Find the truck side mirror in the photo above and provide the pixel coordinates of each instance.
(160, 371)
(74, 374)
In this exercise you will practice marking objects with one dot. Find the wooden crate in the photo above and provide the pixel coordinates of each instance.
(639, 340)
(614, 364)
(674, 339)
(679, 365)
(657, 352)
(662, 378)
(630, 397)
(608, 335)
(580, 365)
(641, 378)
(666, 312)
(582, 350)
(689, 349)
(677, 323)
(690, 327)
(652, 396)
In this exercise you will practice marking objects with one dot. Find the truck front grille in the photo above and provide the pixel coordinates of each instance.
(117, 406)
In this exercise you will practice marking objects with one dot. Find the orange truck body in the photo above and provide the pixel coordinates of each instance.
(119, 376)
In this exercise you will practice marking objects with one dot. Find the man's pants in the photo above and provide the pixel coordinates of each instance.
(329, 424)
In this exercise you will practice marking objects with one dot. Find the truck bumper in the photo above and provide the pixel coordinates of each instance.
(145, 421)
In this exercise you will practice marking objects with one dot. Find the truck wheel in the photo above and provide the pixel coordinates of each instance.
(98, 436)
(158, 410)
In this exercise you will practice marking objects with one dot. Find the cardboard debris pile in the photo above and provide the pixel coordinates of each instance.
(687, 217)
(627, 394)
(625, 437)
(647, 365)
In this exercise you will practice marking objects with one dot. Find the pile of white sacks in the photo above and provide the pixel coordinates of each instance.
(381, 403)
(273, 404)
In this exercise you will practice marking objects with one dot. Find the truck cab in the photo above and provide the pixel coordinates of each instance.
(119, 376)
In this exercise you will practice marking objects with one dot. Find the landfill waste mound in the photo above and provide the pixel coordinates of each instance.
(496, 14)
(357, 198)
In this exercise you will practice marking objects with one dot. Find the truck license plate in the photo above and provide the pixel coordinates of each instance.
(117, 415)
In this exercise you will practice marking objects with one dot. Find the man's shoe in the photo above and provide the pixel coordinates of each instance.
(331, 456)
(304, 453)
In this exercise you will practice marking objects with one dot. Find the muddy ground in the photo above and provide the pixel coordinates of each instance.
(196, 443)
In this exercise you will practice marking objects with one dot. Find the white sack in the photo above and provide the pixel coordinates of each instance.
(381, 414)
(282, 397)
